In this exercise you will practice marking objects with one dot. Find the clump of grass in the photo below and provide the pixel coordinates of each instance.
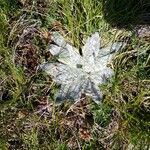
(123, 13)
(129, 97)
(79, 19)
(8, 10)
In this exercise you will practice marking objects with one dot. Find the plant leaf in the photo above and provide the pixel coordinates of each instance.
(92, 90)
(110, 49)
(91, 48)
(71, 90)
(62, 74)
(66, 53)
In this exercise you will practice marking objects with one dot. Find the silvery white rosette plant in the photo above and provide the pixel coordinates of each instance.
(80, 74)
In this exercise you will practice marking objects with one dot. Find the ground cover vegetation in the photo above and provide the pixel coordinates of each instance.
(30, 119)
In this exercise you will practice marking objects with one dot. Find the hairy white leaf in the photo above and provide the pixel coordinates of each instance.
(80, 74)
(91, 48)
(66, 53)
